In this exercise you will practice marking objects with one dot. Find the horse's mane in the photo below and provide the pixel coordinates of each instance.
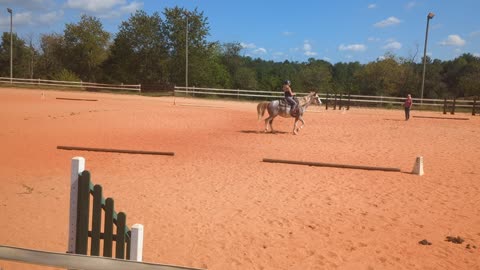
(305, 99)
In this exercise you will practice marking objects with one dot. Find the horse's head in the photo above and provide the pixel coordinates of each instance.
(315, 98)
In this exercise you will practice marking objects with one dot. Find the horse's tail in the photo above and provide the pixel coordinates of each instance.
(261, 109)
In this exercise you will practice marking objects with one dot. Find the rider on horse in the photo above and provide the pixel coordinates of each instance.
(289, 97)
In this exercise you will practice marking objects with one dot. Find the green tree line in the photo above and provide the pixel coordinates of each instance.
(149, 49)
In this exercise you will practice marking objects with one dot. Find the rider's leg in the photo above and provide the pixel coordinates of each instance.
(291, 102)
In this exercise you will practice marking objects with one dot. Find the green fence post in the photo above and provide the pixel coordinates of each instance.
(120, 237)
(83, 213)
(96, 220)
(108, 229)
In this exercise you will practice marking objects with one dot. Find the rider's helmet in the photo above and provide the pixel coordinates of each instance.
(287, 82)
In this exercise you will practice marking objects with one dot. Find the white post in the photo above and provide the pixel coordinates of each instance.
(418, 166)
(136, 243)
(78, 166)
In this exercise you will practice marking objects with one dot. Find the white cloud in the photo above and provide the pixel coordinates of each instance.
(388, 22)
(353, 47)
(94, 5)
(411, 4)
(372, 6)
(307, 49)
(475, 34)
(307, 46)
(453, 40)
(248, 45)
(126, 9)
(50, 17)
(105, 8)
(260, 51)
(28, 4)
(27, 19)
(373, 39)
(19, 19)
(476, 54)
(287, 33)
(394, 45)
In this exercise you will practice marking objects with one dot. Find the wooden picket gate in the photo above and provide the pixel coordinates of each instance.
(128, 243)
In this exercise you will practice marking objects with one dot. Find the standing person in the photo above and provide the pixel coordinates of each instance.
(289, 94)
(408, 105)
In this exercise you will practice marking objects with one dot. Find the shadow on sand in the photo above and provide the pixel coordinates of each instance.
(262, 132)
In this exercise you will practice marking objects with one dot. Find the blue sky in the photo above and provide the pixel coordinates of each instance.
(335, 31)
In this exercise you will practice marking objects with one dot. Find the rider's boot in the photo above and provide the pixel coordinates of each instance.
(294, 111)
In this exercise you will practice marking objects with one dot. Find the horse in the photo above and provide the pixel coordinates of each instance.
(282, 108)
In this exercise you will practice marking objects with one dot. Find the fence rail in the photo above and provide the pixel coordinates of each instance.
(75, 261)
(73, 84)
(358, 100)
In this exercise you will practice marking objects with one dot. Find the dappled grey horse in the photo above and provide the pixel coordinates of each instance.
(282, 108)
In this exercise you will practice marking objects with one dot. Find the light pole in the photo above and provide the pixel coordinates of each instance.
(186, 54)
(11, 44)
(429, 16)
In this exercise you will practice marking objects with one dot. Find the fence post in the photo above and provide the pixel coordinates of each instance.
(445, 106)
(96, 221)
(348, 103)
(136, 243)
(340, 102)
(83, 213)
(108, 228)
(335, 102)
(77, 167)
(453, 106)
(120, 237)
(474, 105)
(326, 103)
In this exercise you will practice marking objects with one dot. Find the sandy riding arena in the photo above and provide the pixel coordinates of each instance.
(216, 205)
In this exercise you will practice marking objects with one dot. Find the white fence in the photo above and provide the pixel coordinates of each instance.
(80, 84)
(352, 99)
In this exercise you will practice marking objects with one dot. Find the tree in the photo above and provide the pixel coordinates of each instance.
(468, 80)
(343, 77)
(51, 56)
(86, 45)
(21, 55)
(175, 26)
(139, 52)
(382, 77)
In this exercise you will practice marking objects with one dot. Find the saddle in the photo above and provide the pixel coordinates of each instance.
(294, 113)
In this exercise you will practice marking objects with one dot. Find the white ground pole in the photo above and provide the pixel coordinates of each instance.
(136, 243)
(78, 166)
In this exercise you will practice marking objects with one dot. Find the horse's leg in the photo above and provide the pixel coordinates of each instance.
(267, 121)
(303, 123)
(295, 129)
(271, 125)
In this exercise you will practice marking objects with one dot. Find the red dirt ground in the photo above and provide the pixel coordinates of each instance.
(216, 205)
